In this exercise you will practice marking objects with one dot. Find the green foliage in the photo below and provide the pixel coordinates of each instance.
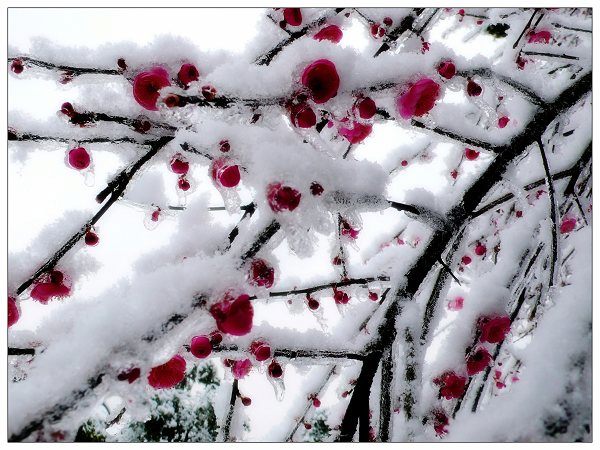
(498, 30)
(88, 432)
(320, 430)
(182, 414)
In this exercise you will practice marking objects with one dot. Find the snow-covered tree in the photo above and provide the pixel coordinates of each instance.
(384, 214)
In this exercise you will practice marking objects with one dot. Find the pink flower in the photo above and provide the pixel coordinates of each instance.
(275, 370)
(302, 116)
(187, 74)
(503, 121)
(447, 69)
(233, 316)
(471, 154)
(225, 173)
(543, 37)
(321, 79)
(240, 369)
(261, 274)
(478, 361)
(331, 33)
(293, 16)
(358, 133)
(366, 108)
(568, 224)
(246, 401)
(13, 312)
(169, 374)
(494, 329)
(282, 197)
(261, 350)
(451, 385)
(466, 260)
(419, 99)
(129, 375)
(373, 296)
(79, 158)
(146, 86)
(200, 346)
(456, 304)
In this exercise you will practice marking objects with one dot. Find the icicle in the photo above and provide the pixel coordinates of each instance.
(278, 387)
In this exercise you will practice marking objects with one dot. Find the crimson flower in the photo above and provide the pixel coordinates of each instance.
(129, 375)
(225, 173)
(331, 33)
(261, 350)
(282, 197)
(146, 86)
(13, 312)
(494, 329)
(419, 99)
(471, 154)
(451, 385)
(275, 369)
(233, 316)
(321, 79)
(49, 286)
(79, 158)
(358, 133)
(168, 374)
(366, 108)
(478, 361)
(541, 37)
(293, 16)
(261, 274)
(340, 297)
(91, 238)
(447, 69)
(200, 346)
(302, 116)
(240, 369)
(440, 422)
(187, 74)
(503, 121)
(473, 89)
(567, 225)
